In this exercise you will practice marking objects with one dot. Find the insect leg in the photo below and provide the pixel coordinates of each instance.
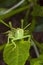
(13, 44)
(27, 36)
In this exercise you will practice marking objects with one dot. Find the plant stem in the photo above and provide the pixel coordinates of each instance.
(35, 48)
(13, 12)
(15, 6)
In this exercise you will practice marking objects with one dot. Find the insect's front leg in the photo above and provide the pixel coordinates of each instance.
(13, 44)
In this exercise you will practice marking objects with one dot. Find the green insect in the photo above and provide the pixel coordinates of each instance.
(17, 34)
(16, 51)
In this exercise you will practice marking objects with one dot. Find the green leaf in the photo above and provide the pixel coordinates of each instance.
(37, 61)
(41, 56)
(2, 10)
(18, 55)
(37, 11)
(2, 46)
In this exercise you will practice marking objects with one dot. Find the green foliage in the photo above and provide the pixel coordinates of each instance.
(2, 46)
(38, 11)
(16, 51)
(2, 10)
(13, 12)
(37, 61)
(18, 55)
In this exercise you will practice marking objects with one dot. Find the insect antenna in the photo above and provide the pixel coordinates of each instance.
(22, 23)
(27, 26)
(1, 21)
(10, 24)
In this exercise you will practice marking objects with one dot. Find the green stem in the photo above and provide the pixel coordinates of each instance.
(13, 12)
(40, 46)
(32, 27)
(35, 48)
(14, 7)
